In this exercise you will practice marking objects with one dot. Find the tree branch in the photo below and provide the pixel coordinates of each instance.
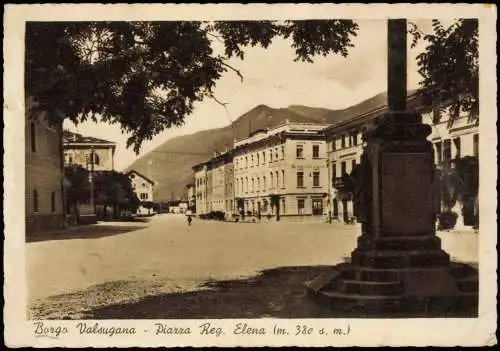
(212, 96)
(233, 69)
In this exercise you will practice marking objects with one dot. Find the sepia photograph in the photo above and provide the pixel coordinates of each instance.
(253, 169)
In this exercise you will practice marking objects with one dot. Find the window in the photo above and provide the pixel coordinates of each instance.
(264, 183)
(263, 157)
(343, 169)
(315, 151)
(53, 202)
(246, 161)
(283, 207)
(301, 204)
(439, 152)
(447, 150)
(355, 138)
(317, 207)
(282, 152)
(343, 141)
(334, 171)
(282, 178)
(456, 143)
(272, 181)
(300, 151)
(300, 179)
(33, 136)
(334, 144)
(35, 201)
(475, 141)
(277, 180)
(270, 155)
(251, 163)
(315, 178)
(258, 159)
(96, 159)
(258, 183)
(253, 185)
(276, 154)
(246, 185)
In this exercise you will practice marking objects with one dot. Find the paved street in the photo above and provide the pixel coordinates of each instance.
(125, 262)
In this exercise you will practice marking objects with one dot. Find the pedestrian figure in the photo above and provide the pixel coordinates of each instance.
(189, 214)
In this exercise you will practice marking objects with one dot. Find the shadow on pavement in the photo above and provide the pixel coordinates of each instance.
(275, 293)
(83, 232)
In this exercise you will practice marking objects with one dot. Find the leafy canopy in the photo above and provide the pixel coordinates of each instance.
(449, 67)
(146, 76)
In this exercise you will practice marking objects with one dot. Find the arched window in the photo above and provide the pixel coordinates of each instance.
(258, 183)
(264, 183)
(277, 180)
(272, 181)
(282, 178)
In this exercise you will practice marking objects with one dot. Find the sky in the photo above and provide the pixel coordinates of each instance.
(271, 77)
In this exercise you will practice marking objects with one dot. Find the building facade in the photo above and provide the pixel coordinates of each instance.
(191, 197)
(78, 150)
(451, 142)
(44, 186)
(143, 186)
(282, 170)
(201, 171)
(456, 155)
(214, 179)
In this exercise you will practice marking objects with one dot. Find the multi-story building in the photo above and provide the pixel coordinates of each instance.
(214, 184)
(191, 197)
(451, 141)
(201, 171)
(282, 169)
(457, 142)
(78, 150)
(43, 175)
(345, 147)
(222, 172)
(143, 186)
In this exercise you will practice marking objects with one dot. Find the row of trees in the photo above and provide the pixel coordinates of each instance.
(112, 190)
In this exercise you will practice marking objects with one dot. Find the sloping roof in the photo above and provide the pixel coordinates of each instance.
(141, 175)
(75, 138)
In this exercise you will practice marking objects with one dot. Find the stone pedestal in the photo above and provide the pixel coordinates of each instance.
(398, 265)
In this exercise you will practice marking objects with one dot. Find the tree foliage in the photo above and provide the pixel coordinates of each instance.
(114, 189)
(146, 76)
(78, 189)
(449, 67)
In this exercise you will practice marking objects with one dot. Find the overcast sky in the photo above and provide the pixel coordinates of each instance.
(271, 77)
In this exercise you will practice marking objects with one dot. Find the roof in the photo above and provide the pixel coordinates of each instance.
(141, 175)
(75, 138)
(372, 107)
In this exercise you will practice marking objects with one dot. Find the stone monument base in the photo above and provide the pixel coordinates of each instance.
(399, 275)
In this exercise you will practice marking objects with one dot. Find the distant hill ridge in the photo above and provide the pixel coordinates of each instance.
(169, 165)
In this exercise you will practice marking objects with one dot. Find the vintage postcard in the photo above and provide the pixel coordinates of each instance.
(250, 175)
